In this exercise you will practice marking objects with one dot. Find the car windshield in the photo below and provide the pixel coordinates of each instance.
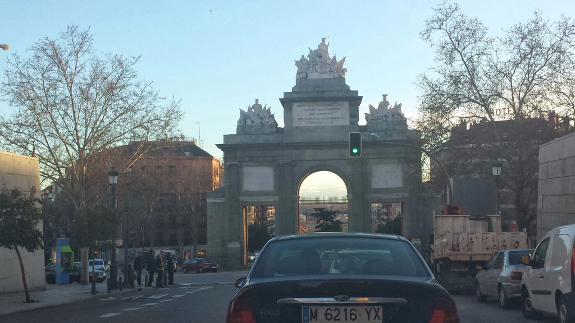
(334, 256)
(515, 256)
(202, 260)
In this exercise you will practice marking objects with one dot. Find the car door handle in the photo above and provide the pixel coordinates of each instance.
(541, 277)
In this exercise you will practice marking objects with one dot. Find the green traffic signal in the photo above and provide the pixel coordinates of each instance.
(354, 144)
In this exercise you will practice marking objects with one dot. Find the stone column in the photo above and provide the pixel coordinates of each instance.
(234, 215)
(285, 221)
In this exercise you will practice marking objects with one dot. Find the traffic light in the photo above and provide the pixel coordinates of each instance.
(95, 254)
(355, 144)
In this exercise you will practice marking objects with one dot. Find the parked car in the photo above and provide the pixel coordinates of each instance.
(199, 265)
(74, 273)
(100, 264)
(501, 277)
(252, 256)
(548, 283)
(361, 277)
(50, 273)
(101, 274)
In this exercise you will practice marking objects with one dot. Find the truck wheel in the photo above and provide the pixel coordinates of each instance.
(504, 302)
(565, 315)
(527, 308)
(480, 297)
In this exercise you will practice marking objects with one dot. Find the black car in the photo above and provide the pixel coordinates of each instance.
(50, 273)
(340, 277)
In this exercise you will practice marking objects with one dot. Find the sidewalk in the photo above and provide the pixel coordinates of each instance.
(55, 294)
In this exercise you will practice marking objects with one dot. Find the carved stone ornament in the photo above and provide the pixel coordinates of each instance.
(384, 111)
(257, 115)
(318, 64)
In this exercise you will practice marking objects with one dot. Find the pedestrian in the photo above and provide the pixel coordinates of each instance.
(170, 268)
(139, 265)
(160, 269)
(150, 267)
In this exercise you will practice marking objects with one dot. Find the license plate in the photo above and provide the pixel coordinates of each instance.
(356, 314)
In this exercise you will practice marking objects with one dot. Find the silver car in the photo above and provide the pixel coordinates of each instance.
(501, 277)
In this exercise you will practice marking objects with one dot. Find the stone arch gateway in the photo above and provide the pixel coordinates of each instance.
(265, 164)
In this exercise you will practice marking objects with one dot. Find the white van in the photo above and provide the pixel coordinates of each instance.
(549, 281)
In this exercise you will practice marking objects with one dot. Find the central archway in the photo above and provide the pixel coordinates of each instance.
(322, 194)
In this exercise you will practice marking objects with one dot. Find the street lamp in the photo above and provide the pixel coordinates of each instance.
(496, 172)
(113, 177)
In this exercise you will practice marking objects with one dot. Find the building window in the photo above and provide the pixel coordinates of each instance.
(172, 170)
(171, 185)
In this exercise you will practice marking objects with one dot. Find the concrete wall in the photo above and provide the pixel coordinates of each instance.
(556, 200)
(20, 172)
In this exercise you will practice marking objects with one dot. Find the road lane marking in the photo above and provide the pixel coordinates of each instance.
(158, 296)
(131, 309)
(149, 304)
(178, 296)
(110, 314)
(166, 300)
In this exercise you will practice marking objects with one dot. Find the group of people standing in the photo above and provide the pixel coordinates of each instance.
(162, 266)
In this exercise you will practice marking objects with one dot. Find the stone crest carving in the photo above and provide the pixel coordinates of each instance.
(384, 111)
(257, 115)
(318, 64)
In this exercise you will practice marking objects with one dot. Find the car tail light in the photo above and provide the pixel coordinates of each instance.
(240, 311)
(573, 262)
(444, 311)
(516, 275)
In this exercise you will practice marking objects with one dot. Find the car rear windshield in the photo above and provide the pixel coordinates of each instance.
(337, 256)
(515, 256)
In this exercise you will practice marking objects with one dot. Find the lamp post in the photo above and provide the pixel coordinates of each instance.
(496, 172)
(113, 177)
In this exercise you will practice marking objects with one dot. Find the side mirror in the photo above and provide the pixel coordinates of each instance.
(526, 260)
(241, 282)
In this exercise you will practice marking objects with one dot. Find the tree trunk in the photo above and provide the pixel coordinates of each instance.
(85, 270)
(23, 275)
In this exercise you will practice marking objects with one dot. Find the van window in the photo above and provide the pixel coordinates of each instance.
(560, 250)
(540, 254)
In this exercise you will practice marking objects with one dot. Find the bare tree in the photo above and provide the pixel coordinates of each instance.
(519, 73)
(72, 105)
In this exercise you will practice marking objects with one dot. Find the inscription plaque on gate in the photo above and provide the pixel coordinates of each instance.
(307, 114)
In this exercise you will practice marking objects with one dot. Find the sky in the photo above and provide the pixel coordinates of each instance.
(219, 56)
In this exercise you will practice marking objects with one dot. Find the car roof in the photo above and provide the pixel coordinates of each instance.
(321, 235)
(566, 229)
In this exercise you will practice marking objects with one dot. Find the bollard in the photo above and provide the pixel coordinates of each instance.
(94, 291)
(130, 276)
(109, 282)
(120, 283)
